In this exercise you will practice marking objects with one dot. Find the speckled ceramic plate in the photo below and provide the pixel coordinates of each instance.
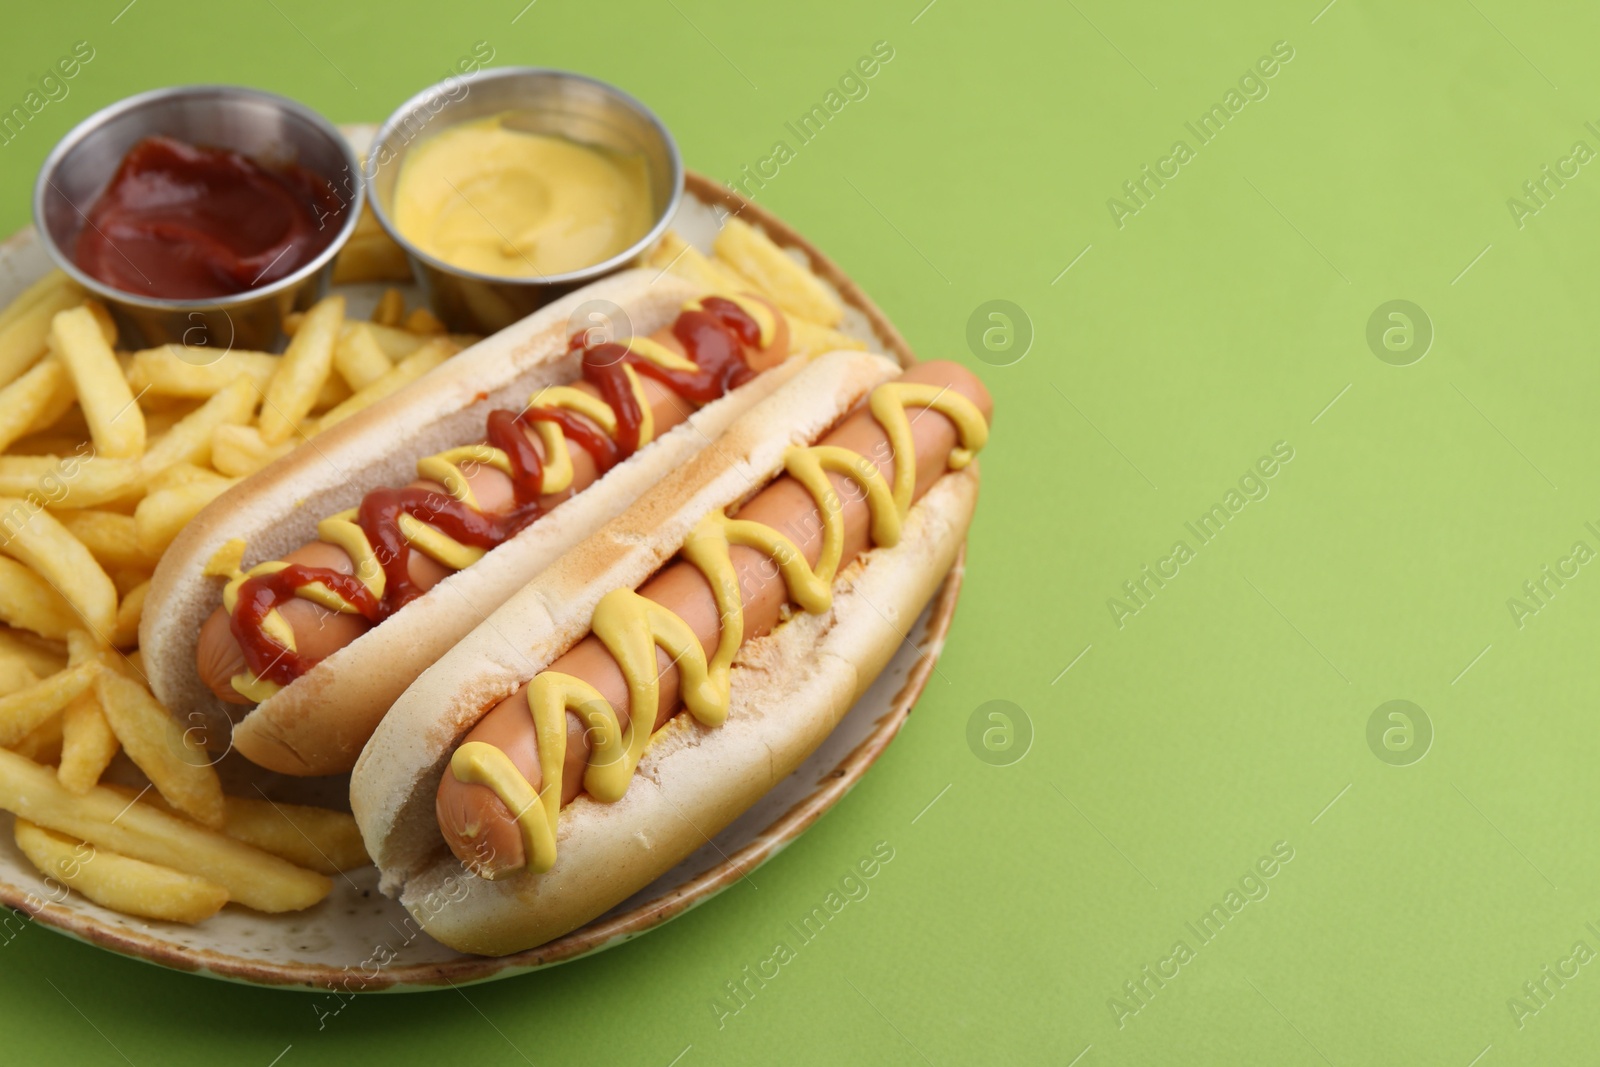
(336, 945)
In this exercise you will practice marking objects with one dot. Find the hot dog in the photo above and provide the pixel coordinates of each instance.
(797, 588)
(320, 559)
(478, 826)
(734, 338)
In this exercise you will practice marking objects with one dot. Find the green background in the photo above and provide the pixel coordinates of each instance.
(1231, 711)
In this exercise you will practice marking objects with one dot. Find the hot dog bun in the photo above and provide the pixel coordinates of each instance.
(789, 688)
(317, 724)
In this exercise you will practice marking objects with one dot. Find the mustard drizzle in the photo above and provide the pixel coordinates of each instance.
(632, 627)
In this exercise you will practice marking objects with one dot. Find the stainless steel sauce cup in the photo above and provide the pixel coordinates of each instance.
(552, 102)
(263, 126)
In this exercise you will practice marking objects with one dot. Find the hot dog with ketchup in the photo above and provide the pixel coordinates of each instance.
(630, 391)
(804, 549)
(316, 635)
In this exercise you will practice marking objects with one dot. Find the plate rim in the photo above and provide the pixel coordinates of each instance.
(605, 932)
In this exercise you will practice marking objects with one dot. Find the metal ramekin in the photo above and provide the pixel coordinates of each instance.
(261, 125)
(556, 102)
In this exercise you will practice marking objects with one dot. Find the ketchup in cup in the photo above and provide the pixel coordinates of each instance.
(181, 222)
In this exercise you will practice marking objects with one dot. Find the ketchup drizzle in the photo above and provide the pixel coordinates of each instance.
(715, 337)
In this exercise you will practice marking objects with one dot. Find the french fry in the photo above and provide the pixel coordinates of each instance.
(43, 743)
(55, 283)
(318, 839)
(129, 611)
(334, 391)
(111, 539)
(423, 321)
(190, 440)
(69, 481)
(358, 358)
(40, 744)
(239, 450)
(84, 647)
(813, 340)
(123, 884)
(34, 537)
(115, 421)
(178, 370)
(666, 251)
(127, 579)
(69, 420)
(175, 763)
(24, 339)
(795, 289)
(102, 318)
(391, 308)
(25, 709)
(29, 602)
(395, 343)
(306, 364)
(60, 412)
(292, 321)
(104, 817)
(371, 257)
(160, 516)
(42, 656)
(161, 414)
(87, 745)
(183, 474)
(23, 403)
(403, 373)
(45, 444)
(159, 403)
(675, 255)
(15, 674)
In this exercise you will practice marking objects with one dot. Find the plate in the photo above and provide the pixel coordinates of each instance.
(333, 946)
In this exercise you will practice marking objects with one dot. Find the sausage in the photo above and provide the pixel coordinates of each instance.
(476, 824)
(320, 632)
